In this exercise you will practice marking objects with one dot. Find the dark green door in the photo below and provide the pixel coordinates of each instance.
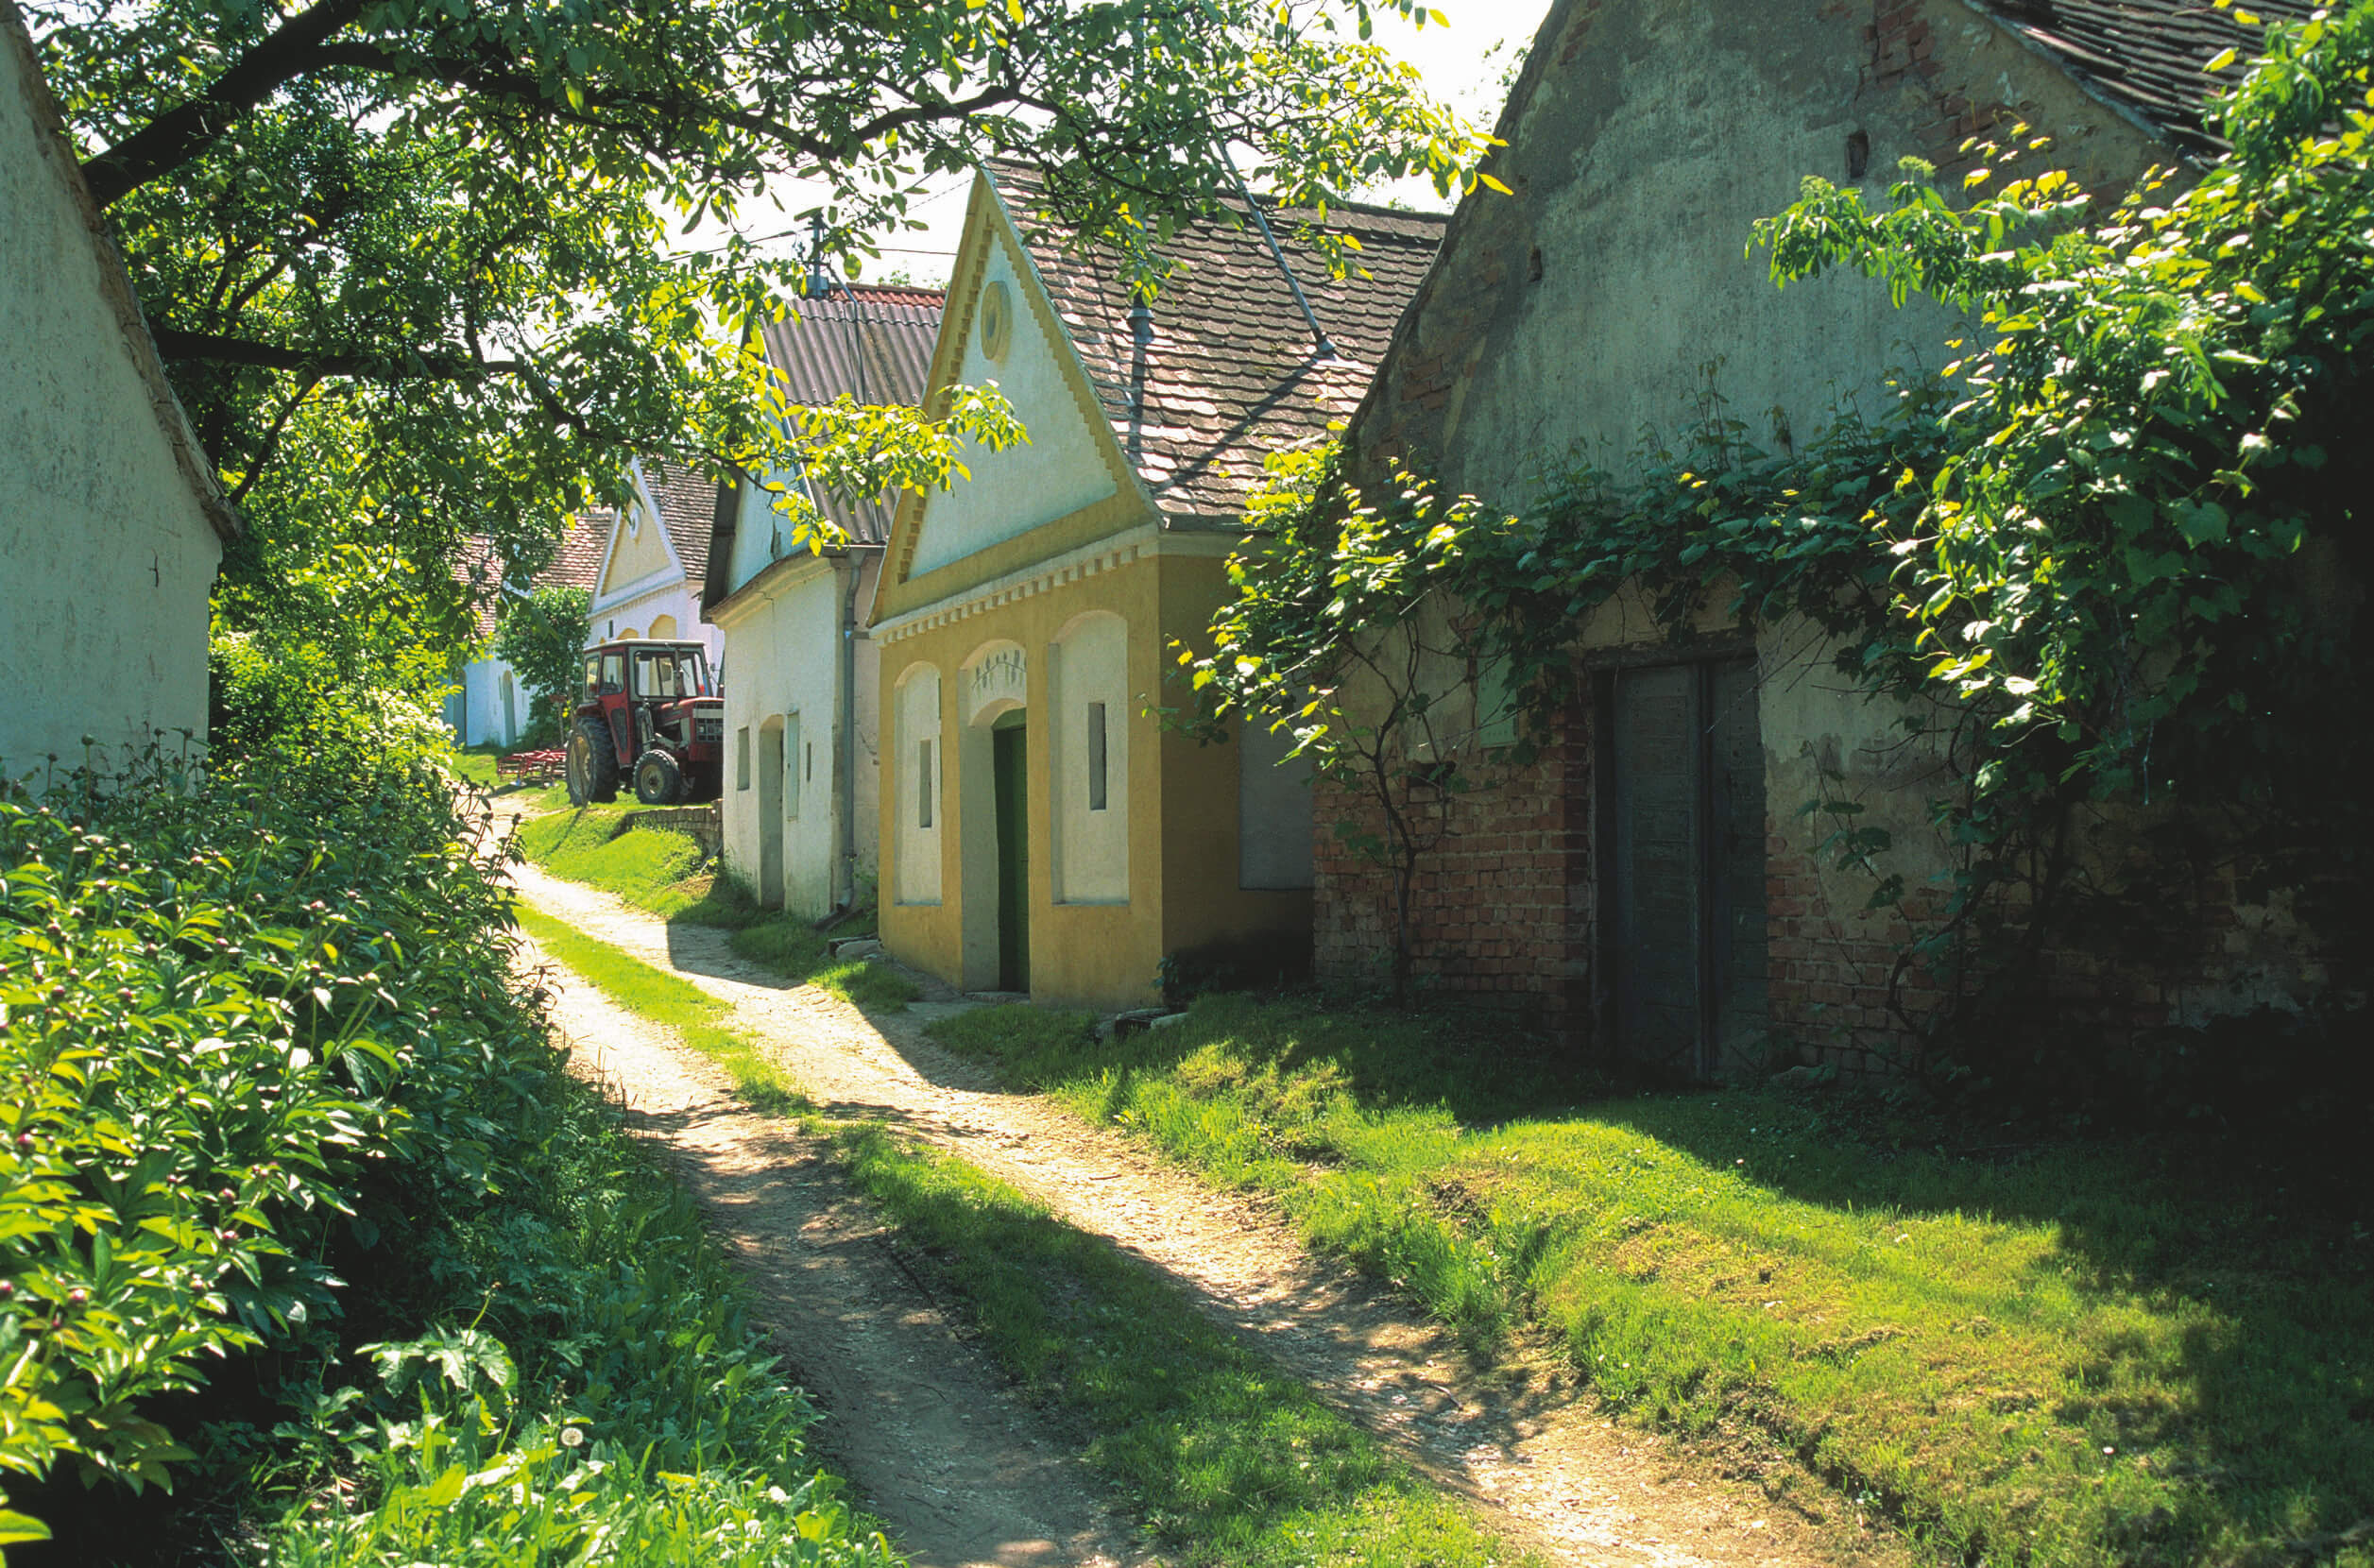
(1011, 767)
(1682, 866)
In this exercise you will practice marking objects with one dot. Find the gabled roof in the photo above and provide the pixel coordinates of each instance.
(577, 563)
(872, 342)
(688, 510)
(2145, 55)
(1232, 370)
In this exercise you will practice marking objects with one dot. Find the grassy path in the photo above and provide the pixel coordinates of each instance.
(1101, 1275)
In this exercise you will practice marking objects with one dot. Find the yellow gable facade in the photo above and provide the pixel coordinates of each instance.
(1040, 831)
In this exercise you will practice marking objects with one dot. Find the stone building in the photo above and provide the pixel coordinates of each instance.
(1650, 884)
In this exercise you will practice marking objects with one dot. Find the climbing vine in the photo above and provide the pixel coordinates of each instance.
(2107, 559)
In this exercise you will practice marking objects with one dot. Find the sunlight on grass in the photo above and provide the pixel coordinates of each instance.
(2087, 1355)
(798, 952)
(1232, 1458)
(672, 1002)
(641, 866)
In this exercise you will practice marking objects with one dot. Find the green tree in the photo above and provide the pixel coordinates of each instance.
(543, 637)
(411, 261)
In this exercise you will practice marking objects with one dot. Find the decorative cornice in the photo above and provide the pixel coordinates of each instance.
(1144, 543)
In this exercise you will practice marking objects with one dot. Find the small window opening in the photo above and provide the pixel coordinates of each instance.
(923, 784)
(808, 763)
(1096, 756)
(1858, 154)
(741, 758)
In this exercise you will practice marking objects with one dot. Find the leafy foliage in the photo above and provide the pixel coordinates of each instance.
(261, 1040)
(1346, 631)
(420, 268)
(543, 637)
(2093, 563)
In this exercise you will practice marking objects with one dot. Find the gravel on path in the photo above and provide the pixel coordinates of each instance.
(1546, 1464)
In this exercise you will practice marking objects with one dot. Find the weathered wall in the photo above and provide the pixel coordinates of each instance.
(1644, 139)
(108, 547)
(1609, 296)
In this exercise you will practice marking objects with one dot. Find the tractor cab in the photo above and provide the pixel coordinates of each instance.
(648, 713)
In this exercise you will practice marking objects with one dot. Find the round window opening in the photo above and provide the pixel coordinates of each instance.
(997, 320)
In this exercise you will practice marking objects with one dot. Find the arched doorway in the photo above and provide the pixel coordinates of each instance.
(994, 840)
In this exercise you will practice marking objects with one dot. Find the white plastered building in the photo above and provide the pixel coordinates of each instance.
(802, 691)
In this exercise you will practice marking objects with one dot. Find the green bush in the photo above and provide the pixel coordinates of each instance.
(260, 1040)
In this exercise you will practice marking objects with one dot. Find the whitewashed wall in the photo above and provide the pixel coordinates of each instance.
(105, 543)
(916, 859)
(1056, 472)
(781, 645)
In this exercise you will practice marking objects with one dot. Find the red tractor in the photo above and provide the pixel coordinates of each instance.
(648, 714)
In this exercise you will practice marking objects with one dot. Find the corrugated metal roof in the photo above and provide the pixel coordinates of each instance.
(870, 341)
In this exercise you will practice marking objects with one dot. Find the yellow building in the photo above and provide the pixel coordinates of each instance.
(1041, 831)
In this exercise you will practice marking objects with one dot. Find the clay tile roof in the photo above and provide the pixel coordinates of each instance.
(688, 508)
(576, 562)
(1230, 371)
(2145, 55)
(871, 341)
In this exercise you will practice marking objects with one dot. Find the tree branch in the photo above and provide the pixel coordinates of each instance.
(181, 133)
(214, 348)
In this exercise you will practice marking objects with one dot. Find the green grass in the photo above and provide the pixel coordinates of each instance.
(665, 872)
(1233, 1460)
(1227, 1456)
(475, 766)
(650, 868)
(2076, 1354)
(797, 951)
(672, 1001)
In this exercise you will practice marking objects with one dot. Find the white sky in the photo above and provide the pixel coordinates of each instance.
(1463, 64)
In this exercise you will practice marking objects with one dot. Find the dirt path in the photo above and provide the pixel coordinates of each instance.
(931, 1432)
(1546, 1466)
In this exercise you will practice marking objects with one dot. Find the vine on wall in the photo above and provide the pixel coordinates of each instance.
(2108, 560)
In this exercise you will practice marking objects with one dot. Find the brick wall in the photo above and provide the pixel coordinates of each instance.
(1492, 910)
(1503, 909)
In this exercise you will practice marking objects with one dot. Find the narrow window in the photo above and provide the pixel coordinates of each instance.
(794, 783)
(741, 758)
(808, 763)
(1096, 756)
(923, 784)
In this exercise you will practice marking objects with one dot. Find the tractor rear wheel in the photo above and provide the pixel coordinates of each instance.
(659, 778)
(592, 768)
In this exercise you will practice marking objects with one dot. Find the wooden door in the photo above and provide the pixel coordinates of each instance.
(1010, 768)
(1681, 866)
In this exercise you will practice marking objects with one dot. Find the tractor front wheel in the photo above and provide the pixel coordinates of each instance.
(659, 778)
(592, 770)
